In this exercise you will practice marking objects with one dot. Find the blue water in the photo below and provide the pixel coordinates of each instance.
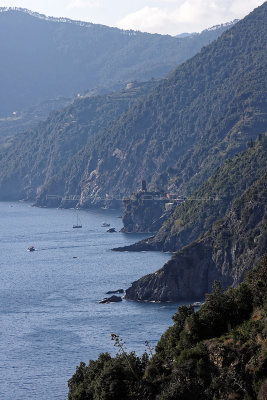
(50, 319)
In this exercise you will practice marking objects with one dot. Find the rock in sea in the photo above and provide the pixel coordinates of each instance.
(112, 299)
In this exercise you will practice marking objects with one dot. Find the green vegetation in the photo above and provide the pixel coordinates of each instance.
(26, 120)
(214, 197)
(218, 352)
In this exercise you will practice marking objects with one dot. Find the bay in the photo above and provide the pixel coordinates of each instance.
(50, 318)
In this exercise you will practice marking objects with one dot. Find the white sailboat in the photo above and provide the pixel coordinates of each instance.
(78, 223)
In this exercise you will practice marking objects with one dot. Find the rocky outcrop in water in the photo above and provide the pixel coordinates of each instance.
(111, 299)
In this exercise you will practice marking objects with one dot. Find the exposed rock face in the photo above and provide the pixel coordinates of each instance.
(263, 391)
(225, 253)
(143, 245)
(144, 212)
(182, 278)
(234, 363)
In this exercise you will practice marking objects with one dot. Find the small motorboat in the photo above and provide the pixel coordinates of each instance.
(31, 248)
(105, 224)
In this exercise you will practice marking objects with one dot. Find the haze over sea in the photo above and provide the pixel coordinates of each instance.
(49, 311)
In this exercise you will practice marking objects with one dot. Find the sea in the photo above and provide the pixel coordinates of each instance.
(50, 316)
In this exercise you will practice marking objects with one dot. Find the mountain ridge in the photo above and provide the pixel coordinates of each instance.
(61, 58)
(89, 24)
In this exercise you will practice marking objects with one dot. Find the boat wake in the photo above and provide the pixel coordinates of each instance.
(61, 247)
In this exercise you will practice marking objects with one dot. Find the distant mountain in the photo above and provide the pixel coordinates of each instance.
(213, 28)
(225, 253)
(175, 138)
(43, 58)
(184, 35)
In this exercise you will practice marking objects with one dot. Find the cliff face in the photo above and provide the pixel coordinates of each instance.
(144, 212)
(225, 253)
(182, 278)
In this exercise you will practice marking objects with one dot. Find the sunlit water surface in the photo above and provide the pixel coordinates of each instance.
(50, 319)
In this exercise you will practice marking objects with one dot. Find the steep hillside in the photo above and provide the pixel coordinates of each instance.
(26, 120)
(210, 202)
(205, 112)
(43, 58)
(225, 253)
(37, 155)
(218, 352)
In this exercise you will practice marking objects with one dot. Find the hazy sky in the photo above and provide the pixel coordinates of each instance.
(155, 16)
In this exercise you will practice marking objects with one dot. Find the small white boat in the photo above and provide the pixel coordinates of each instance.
(105, 224)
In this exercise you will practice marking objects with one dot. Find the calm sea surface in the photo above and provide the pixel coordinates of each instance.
(50, 319)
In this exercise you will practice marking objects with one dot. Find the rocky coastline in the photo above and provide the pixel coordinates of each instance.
(225, 253)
